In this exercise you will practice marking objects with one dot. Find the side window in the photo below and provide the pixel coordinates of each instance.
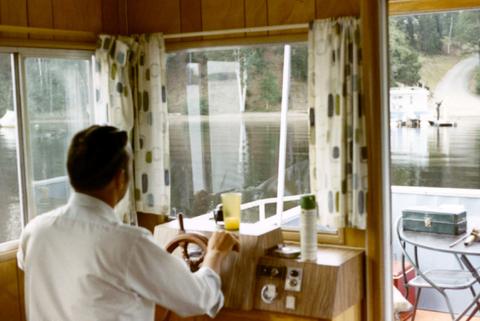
(55, 102)
(57, 105)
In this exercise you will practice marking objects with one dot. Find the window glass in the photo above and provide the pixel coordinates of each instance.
(224, 113)
(435, 99)
(58, 105)
(10, 218)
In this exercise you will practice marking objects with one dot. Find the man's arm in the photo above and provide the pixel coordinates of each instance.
(219, 245)
(165, 279)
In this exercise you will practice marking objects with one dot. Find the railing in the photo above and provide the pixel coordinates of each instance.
(437, 191)
(273, 200)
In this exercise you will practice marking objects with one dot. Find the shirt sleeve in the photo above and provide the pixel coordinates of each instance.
(20, 252)
(165, 279)
(20, 257)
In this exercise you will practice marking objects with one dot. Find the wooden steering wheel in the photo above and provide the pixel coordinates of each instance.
(193, 246)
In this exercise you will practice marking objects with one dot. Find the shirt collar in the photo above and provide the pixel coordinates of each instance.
(100, 207)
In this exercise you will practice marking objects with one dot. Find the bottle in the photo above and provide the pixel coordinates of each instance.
(308, 228)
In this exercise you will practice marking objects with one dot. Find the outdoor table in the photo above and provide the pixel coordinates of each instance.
(441, 243)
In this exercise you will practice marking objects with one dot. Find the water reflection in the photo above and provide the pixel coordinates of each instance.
(437, 157)
(239, 152)
(10, 222)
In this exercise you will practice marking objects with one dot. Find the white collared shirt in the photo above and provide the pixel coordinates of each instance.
(82, 263)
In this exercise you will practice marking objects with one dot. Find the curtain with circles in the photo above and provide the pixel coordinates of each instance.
(130, 89)
(338, 150)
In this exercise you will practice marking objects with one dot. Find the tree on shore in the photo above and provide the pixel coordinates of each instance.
(6, 93)
(467, 29)
(404, 61)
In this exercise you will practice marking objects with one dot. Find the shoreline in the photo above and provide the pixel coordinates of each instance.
(249, 116)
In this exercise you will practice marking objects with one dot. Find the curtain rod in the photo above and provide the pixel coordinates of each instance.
(233, 31)
(48, 31)
(93, 35)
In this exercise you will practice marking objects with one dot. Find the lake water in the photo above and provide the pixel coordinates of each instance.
(443, 157)
(437, 157)
(215, 154)
(10, 219)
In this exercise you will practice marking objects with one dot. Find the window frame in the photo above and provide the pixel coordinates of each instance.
(18, 55)
(23, 55)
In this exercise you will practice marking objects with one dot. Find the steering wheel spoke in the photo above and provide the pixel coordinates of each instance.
(185, 241)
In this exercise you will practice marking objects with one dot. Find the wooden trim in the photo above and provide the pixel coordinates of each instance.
(355, 238)
(49, 31)
(8, 255)
(238, 41)
(171, 45)
(399, 7)
(226, 32)
(372, 49)
(47, 44)
(322, 238)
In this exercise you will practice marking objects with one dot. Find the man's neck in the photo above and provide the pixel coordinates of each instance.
(103, 195)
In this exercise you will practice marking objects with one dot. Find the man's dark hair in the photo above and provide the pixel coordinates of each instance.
(95, 156)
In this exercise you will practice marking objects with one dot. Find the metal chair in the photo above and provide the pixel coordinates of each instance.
(438, 279)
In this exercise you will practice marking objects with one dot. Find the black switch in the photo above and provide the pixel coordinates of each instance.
(294, 273)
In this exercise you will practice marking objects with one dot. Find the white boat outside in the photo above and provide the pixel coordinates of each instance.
(409, 103)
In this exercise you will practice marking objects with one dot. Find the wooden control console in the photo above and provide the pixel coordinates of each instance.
(253, 280)
(239, 269)
(322, 289)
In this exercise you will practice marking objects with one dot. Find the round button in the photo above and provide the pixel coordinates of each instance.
(293, 283)
(274, 272)
(294, 273)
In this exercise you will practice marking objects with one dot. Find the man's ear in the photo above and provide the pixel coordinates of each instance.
(121, 178)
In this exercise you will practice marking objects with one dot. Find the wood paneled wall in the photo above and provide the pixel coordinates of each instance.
(167, 16)
(87, 15)
(10, 308)
(175, 16)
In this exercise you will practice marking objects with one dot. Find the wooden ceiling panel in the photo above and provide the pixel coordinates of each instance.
(114, 16)
(153, 16)
(281, 12)
(40, 13)
(335, 8)
(256, 15)
(13, 12)
(77, 15)
(191, 15)
(220, 15)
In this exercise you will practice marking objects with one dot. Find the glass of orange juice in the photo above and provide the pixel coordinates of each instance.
(231, 210)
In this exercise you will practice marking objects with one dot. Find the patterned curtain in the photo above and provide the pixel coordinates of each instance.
(130, 91)
(338, 151)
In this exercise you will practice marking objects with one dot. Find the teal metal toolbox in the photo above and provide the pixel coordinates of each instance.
(442, 219)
